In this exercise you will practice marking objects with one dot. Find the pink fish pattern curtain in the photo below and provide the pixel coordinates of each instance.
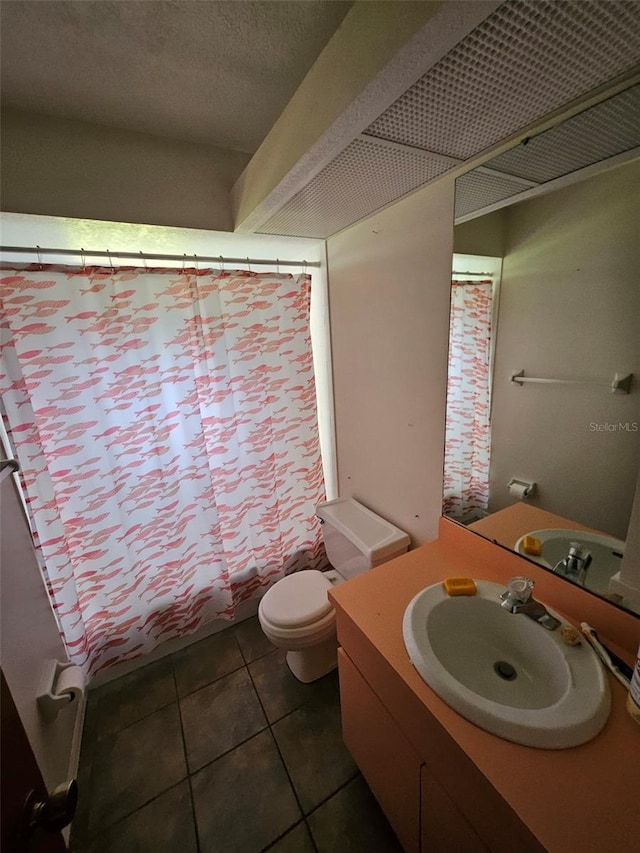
(468, 427)
(165, 423)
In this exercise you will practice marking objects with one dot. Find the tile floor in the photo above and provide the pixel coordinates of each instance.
(218, 748)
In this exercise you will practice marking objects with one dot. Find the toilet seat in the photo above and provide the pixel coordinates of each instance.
(306, 635)
(297, 601)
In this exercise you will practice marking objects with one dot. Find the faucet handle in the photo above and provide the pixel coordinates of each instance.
(578, 550)
(520, 589)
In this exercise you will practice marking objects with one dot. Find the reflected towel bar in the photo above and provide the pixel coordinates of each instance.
(621, 383)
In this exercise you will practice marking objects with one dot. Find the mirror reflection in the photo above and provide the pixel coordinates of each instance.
(547, 289)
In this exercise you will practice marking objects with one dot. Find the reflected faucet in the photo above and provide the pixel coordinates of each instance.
(517, 598)
(574, 566)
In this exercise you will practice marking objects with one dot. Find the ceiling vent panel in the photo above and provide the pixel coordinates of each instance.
(609, 128)
(362, 178)
(477, 190)
(528, 58)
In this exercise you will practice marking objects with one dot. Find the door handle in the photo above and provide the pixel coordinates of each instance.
(52, 812)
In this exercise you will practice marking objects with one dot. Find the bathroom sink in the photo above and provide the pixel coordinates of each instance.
(606, 553)
(505, 672)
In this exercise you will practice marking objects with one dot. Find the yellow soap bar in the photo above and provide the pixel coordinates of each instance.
(531, 545)
(459, 586)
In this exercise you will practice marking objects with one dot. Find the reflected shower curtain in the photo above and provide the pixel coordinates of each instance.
(468, 429)
(165, 424)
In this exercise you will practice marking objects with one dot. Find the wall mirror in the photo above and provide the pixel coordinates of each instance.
(543, 419)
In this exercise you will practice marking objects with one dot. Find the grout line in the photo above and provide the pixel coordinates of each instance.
(275, 841)
(114, 732)
(109, 826)
(273, 738)
(333, 793)
(208, 683)
(227, 751)
(186, 762)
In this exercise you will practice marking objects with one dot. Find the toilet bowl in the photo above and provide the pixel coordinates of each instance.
(296, 614)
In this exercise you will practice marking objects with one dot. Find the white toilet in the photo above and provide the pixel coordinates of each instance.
(296, 614)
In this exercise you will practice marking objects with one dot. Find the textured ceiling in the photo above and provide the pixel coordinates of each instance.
(212, 72)
(525, 61)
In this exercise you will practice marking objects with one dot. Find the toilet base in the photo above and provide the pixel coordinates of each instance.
(313, 662)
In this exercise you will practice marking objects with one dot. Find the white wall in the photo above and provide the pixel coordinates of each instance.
(30, 637)
(60, 167)
(570, 308)
(389, 282)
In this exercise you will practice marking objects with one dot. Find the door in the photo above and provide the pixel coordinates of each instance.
(19, 777)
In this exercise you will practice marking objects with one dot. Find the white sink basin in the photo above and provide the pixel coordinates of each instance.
(606, 553)
(503, 671)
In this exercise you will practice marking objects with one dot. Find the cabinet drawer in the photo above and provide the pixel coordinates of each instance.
(386, 758)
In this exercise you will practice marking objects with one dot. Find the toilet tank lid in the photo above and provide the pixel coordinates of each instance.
(374, 536)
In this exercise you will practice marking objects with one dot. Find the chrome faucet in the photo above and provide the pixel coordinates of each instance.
(517, 598)
(574, 566)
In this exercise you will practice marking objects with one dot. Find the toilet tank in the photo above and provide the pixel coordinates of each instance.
(357, 539)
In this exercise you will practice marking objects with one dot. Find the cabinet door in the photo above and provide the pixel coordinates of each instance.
(444, 829)
(386, 758)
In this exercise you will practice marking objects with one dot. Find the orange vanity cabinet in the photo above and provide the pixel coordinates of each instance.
(387, 760)
(423, 816)
(446, 785)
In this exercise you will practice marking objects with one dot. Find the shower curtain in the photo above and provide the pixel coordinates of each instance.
(165, 424)
(468, 428)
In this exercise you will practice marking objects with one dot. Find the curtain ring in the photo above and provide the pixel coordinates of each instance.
(82, 258)
(184, 261)
(110, 261)
(39, 254)
(144, 261)
(221, 264)
(248, 264)
(278, 266)
(304, 267)
(195, 261)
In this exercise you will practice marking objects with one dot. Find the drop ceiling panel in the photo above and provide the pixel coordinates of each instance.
(364, 177)
(607, 129)
(525, 60)
(477, 190)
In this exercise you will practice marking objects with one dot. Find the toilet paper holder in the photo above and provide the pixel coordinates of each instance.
(521, 488)
(61, 684)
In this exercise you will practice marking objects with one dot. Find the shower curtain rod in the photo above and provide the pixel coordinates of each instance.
(484, 274)
(39, 251)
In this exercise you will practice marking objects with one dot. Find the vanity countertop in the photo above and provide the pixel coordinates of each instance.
(571, 800)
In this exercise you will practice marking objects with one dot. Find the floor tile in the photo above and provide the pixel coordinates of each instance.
(205, 661)
(252, 640)
(279, 691)
(297, 840)
(165, 825)
(220, 716)
(134, 765)
(133, 696)
(243, 801)
(352, 821)
(310, 740)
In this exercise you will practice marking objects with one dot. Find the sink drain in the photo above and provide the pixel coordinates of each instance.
(505, 670)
